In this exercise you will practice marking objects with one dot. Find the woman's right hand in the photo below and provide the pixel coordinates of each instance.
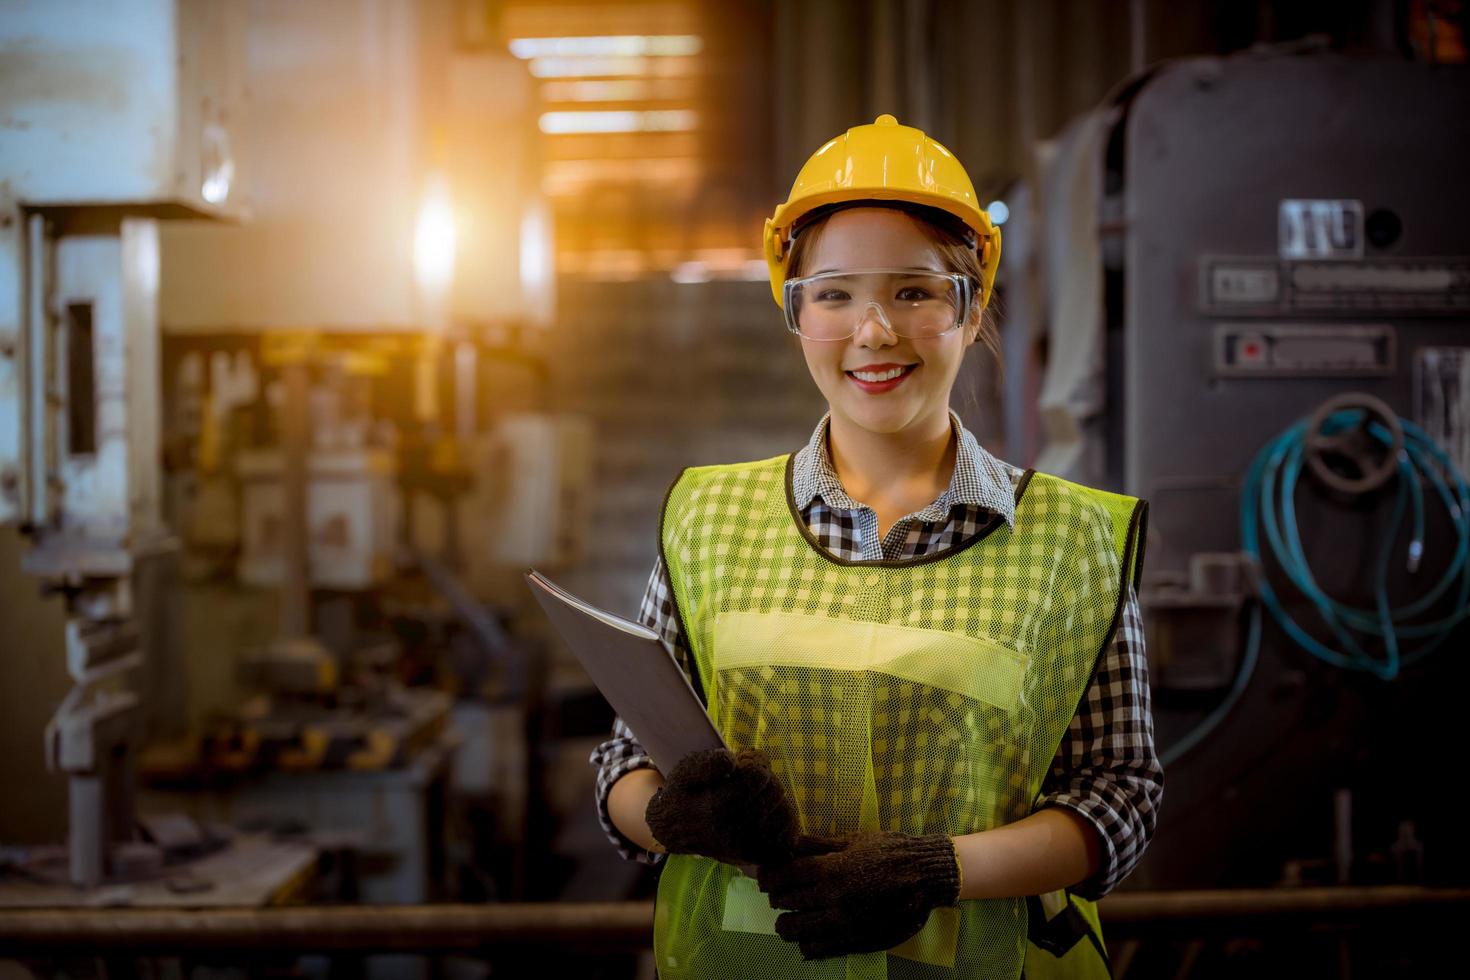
(724, 806)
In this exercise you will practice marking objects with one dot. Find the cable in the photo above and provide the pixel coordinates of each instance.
(1269, 499)
(1212, 721)
(1270, 493)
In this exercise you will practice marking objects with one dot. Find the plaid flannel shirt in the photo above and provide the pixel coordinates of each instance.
(1105, 769)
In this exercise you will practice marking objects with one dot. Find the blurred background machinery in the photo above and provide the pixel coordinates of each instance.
(1262, 332)
(1334, 291)
(79, 383)
(274, 472)
(320, 322)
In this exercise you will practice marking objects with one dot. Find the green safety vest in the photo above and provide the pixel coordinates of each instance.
(924, 695)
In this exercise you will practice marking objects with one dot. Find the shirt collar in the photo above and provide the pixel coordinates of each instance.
(979, 478)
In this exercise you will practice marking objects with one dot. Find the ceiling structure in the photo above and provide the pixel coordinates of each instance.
(635, 113)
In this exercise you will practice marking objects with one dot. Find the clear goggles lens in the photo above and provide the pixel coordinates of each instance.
(908, 302)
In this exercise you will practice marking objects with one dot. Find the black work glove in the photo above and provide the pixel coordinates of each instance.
(860, 894)
(728, 807)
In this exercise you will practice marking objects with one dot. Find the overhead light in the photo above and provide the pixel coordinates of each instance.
(998, 212)
(607, 46)
(653, 121)
(618, 90)
(660, 67)
(583, 67)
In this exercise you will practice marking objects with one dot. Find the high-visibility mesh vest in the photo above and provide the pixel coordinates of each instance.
(923, 695)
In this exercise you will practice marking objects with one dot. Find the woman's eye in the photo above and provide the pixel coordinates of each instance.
(914, 294)
(831, 296)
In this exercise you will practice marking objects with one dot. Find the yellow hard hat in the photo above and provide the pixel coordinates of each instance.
(882, 162)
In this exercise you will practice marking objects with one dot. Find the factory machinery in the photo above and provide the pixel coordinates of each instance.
(79, 379)
(271, 540)
(1272, 345)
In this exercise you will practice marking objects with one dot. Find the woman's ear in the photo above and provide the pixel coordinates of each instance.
(972, 330)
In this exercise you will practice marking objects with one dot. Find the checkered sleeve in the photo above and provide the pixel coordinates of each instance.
(1106, 768)
(622, 753)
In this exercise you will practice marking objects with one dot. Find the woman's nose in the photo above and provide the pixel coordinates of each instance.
(873, 329)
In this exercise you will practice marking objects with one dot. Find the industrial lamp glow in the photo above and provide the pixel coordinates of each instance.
(433, 241)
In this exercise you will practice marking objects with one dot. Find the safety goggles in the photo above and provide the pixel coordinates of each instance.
(913, 303)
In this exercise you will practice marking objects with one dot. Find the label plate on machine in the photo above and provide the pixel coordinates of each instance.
(1262, 285)
(1294, 350)
(1319, 229)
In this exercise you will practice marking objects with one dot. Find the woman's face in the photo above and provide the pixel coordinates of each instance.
(918, 403)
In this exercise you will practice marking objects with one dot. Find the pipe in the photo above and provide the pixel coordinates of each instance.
(1264, 910)
(601, 927)
(628, 926)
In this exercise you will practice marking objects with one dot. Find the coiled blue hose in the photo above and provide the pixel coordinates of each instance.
(1269, 498)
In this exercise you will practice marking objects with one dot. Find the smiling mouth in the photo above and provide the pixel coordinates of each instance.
(881, 377)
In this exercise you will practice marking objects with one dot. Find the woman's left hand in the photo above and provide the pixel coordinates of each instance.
(860, 894)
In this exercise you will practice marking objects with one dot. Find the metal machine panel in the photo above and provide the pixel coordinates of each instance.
(1295, 230)
(1270, 286)
(1442, 399)
(1294, 350)
(110, 484)
(129, 104)
(106, 111)
(1226, 162)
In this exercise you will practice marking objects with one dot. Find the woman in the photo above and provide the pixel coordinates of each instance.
(928, 664)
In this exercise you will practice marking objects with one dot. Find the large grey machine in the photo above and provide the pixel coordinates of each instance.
(1281, 365)
(116, 117)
